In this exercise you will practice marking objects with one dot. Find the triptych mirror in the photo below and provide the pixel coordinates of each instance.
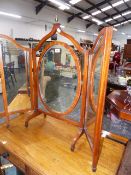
(62, 81)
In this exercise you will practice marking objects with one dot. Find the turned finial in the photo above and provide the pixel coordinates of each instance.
(56, 18)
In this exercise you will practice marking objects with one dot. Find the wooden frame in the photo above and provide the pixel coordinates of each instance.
(103, 43)
(56, 28)
(84, 89)
(106, 47)
(6, 111)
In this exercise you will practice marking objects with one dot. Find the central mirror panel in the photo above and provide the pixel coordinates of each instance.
(58, 78)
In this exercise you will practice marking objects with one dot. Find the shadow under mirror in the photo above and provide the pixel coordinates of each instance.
(58, 78)
(15, 67)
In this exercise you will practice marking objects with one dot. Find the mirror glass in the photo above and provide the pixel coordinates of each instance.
(97, 77)
(58, 78)
(1, 98)
(75, 114)
(1, 89)
(16, 72)
(96, 62)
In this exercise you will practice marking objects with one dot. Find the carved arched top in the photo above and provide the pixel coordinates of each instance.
(57, 28)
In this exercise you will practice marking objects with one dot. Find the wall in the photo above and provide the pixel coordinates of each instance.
(32, 25)
(64, 53)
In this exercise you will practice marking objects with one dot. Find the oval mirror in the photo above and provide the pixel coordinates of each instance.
(59, 78)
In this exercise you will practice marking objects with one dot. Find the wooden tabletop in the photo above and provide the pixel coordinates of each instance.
(116, 98)
(45, 147)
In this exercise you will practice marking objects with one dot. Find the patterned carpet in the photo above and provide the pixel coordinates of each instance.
(117, 126)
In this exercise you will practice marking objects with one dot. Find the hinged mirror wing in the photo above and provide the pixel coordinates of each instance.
(16, 63)
(99, 57)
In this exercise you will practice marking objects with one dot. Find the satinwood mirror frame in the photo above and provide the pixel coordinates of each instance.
(84, 89)
(6, 112)
(103, 42)
(101, 49)
(81, 78)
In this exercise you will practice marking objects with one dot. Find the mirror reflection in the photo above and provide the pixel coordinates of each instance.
(97, 76)
(16, 74)
(96, 61)
(1, 98)
(58, 78)
(1, 87)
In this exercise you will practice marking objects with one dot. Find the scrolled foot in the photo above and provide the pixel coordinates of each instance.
(7, 125)
(72, 147)
(26, 124)
(93, 169)
(80, 133)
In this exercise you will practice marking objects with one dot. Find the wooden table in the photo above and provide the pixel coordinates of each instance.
(116, 99)
(44, 148)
